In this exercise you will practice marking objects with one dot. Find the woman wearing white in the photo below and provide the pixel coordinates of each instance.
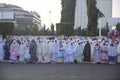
(22, 51)
(79, 53)
(118, 52)
(39, 50)
(1, 51)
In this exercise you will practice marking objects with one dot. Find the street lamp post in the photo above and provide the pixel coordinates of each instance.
(100, 27)
(9, 1)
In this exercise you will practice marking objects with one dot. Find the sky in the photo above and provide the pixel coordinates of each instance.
(43, 7)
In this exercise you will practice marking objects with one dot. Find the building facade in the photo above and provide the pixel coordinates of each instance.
(81, 18)
(17, 15)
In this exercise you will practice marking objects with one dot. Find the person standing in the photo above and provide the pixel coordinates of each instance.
(14, 51)
(46, 52)
(118, 52)
(79, 53)
(55, 51)
(27, 54)
(87, 52)
(33, 51)
(1, 50)
(22, 51)
(71, 51)
(66, 46)
(96, 53)
(112, 54)
(7, 49)
(104, 53)
(39, 50)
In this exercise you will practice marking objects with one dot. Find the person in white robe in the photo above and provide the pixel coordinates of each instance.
(66, 46)
(118, 53)
(55, 50)
(92, 50)
(60, 53)
(96, 53)
(14, 51)
(78, 56)
(1, 50)
(39, 50)
(71, 51)
(51, 49)
(46, 53)
(112, 54)
(104, 53)
(27, 54)
(22, 51)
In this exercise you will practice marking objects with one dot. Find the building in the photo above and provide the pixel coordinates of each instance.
(81, 18)
(17, 15)
(80, 14)
(112, 22)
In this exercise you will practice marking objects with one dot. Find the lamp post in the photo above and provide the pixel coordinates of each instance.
(99, 27)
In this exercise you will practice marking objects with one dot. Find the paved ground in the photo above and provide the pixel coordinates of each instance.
(59, 72)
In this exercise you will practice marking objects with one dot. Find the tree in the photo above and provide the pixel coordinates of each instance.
(68, 10)
(34, 30)
(93, 14)
(52, 29)
(6, 28)
(105, 30)
(78, 31)
(118, 27)
(66, 27)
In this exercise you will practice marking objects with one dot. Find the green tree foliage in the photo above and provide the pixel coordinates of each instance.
(84, 32)
(77, 31)
(93, 14)
(118, 27)
(105, 30)
(6, 28)
(68, 10)
(34, 30)
(52, 29)
(65, 28)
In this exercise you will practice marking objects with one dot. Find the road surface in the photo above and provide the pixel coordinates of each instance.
(59, 71)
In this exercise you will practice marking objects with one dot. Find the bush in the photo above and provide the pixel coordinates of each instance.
(65, 28)
(6, 28)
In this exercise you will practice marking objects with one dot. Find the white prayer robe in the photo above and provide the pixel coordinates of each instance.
(39, 50)
(66, 46)
(71, 51)
(118, 52)
(104, 54)
(14, 50)
(46, 53)
(96, 53)
(79, 53)
(1, 51)
(112, 51)
(27, 54)
(92, 50)
(22, 51)
(55, 51)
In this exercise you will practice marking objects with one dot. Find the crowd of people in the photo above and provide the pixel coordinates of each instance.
(74, 49)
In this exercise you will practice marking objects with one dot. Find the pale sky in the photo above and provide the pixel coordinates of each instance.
(44, 6)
